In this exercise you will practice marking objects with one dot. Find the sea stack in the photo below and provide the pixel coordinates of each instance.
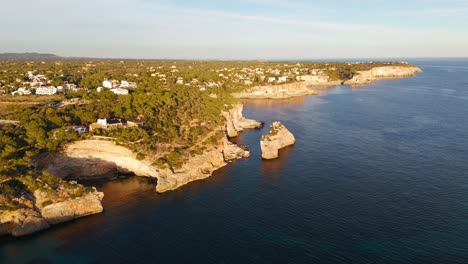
(278, 137)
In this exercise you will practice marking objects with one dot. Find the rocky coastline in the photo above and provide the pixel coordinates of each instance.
(96, 158)
(314, 84)
(29, 206)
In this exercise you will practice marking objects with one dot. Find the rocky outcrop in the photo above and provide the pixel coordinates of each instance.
(24, 211)
(236, 122)
(91, 159)
(308, 86)
(201, 166)
(278, 137)
(384, 72)
(70, 209)
(21, 222)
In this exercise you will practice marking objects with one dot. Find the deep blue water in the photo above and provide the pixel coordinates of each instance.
(379, 174)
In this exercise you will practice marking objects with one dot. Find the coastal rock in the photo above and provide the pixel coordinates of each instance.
(29, 208)
(278, 137)
(21, 222)
(73, 208)
(91, 159)
(236, 122)
(196, 168)
(309, 85)
(384, 72)
(232, 151)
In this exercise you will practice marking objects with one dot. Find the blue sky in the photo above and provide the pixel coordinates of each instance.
(236, 29)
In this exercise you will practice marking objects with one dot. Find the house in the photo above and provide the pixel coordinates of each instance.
(282, 79)
(21, 91)
(271, 79)
(78, 129)
(46, 90)
(104, 123)
(119, 91)
(180, 80)
(70, 86)
(108, 84)
(126, 84)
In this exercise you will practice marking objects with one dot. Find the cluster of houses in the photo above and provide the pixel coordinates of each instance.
(40, 85)
(117, 87)
(249, 76)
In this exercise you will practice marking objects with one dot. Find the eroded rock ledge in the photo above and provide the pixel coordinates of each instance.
(278, 137)
(236, 122)
(34, 206)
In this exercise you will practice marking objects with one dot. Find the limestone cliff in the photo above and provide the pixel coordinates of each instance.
(236, 122)
(307, 86)
(384, 72)
(91, 159)
(313, 84)
(278, 137)
(36, 205)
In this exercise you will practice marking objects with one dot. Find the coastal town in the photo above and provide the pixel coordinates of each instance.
(167, 74)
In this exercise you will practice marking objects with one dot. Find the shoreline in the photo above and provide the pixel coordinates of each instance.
(195, 168)
(314, 87)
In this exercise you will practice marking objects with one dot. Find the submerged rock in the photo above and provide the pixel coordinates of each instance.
(278, 137)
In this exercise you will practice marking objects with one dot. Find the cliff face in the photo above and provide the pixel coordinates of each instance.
(308, 86)
(312, 84)
(37, 210)
(385, 72)
(278, 137)
(202, 166)
(91, 159)
(236, 122)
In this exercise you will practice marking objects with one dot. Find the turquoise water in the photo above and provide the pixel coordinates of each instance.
(379, 174)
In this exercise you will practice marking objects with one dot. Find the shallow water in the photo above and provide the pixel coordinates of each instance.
(379, 174)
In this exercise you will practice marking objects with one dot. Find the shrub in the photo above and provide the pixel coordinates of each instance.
(140, 156)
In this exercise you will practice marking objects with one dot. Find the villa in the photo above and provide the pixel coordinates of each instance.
(46, 90)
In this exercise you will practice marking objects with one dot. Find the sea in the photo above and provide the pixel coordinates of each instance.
(378, 174)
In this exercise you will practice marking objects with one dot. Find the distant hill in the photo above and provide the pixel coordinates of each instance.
(27, 56)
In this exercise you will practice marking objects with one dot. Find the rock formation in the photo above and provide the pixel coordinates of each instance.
(384, 72)
(91, 159)
(236, 122)
(307, 86)
(25, 211)
(278, 137)
(313, 84)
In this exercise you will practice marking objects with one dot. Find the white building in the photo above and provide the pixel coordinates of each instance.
(271, 79)
(282, 79)
(119, 91)
(21, 91)
(102, 122)
(46, 90)
(126, 84)
(180, 80)
(108, 84)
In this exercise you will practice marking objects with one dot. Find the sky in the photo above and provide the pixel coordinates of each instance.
(236, 29)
